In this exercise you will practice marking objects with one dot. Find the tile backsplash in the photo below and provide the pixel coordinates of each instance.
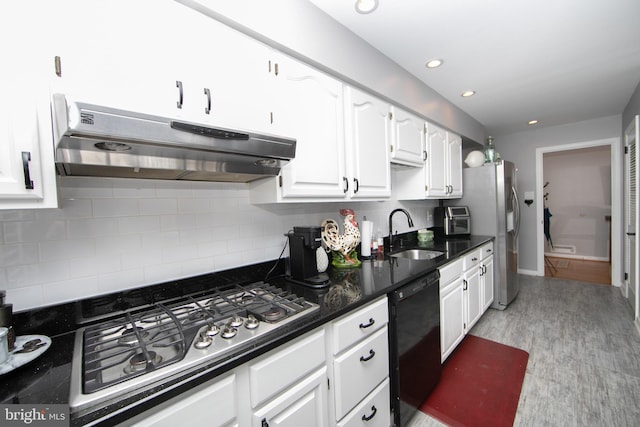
(115, 234)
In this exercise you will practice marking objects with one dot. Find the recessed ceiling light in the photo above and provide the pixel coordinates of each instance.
(532, 122)
(366, 6)
(468, 93)
(434, 63)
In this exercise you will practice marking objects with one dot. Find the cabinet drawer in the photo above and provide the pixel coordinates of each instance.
(277, 371)
(359, 370)
(361, 324)
(373, 411)
(486, 250)
(194, 407)
(471, 259)
(450, 271)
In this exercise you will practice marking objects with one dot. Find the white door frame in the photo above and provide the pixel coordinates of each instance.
(617, 188)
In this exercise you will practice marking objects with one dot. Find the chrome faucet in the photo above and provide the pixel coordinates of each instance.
(391, 224)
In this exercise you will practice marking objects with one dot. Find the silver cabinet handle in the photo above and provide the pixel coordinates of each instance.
(180, 94)
(346, 184)
(465, 285)
(207, 93)
(26, 158)
(356, 184)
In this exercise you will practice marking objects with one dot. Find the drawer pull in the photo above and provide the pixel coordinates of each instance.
(474, 259)
(369, 357)
(371, 322)
(26, 158)
(373, 414)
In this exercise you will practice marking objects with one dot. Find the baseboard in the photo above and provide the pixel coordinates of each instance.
(580, 257)
(563, 249)
(528, 272)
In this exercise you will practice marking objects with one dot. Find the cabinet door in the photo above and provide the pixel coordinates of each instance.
(313, 114)
(473, 297)
(454, 163)
(407, 143)
(120, 54)
(27, 173)
(367, 132)
(304, 404)
(452, 325)
(487, 283)
(435, 166)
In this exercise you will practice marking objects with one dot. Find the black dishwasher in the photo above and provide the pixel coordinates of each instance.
(414, 345)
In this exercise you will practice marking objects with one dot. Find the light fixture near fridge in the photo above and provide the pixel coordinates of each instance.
(366, 6)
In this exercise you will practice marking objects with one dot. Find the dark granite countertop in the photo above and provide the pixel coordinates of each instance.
(46, 380)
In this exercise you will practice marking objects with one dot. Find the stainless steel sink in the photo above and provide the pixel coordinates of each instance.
(417, 254)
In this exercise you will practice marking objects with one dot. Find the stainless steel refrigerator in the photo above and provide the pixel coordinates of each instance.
(490, 192)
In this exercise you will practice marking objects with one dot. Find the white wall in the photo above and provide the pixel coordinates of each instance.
(520, 148)
(115, 234)
(579, 199)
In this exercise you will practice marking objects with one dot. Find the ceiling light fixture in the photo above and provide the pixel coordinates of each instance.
(434, 63)
(366, 6)
(468, 93)
(532, 122)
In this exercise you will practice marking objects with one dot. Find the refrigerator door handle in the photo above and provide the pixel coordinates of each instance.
(516, 210)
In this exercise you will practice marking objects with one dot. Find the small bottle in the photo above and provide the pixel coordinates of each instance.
(490, 151)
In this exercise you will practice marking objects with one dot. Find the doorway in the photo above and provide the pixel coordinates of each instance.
(577, 213)
(614, 192)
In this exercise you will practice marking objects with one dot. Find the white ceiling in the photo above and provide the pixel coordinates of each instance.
(557, 61)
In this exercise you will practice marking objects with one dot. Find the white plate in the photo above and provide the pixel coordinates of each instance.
(17, 360)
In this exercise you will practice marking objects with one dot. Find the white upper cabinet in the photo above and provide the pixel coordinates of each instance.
(177, 63)
(444, 163)
(27, 173)
(118, 54)
(311, 111)
(441, 174)
(407, 143)
(367, 130)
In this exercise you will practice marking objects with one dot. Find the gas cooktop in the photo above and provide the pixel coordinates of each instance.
(138, 349)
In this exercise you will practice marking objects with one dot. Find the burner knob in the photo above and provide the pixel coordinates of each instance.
(251, 322)
(228, 331)
(212, 330)
(203, 341)
(236, 321)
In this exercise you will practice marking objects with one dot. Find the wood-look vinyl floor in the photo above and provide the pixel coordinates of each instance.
(584, 354)
(577, 269)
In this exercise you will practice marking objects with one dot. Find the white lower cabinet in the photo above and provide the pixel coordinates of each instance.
(359, 369)
(486, 275)
(466, 292)
(452, 317)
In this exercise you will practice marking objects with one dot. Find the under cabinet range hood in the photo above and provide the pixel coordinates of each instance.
(92, 140)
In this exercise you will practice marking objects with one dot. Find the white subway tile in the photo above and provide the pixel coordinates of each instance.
(67, 249)
(19, 254)
(195, 205)
(120, 280)
(71, 208)
(92, 227)
(25, 298)
(163, 272)
(141, 258)
(135, 188)
(116, 244)
(178, 222)
(159, 240)
(69, 290)
(179, 253)
(33, 274)
(115, 207)
(138, 224)
(85, 188)
(158, 206)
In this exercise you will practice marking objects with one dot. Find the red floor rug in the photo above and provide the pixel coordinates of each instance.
(480, 385)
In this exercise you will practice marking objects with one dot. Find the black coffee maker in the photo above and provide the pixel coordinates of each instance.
(303, 245)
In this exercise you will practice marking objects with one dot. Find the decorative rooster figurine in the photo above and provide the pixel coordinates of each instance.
(342, 245)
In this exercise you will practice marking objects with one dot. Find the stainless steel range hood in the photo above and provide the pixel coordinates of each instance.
(92, 140)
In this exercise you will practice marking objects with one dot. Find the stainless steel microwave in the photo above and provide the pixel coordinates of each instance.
(453, 220)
